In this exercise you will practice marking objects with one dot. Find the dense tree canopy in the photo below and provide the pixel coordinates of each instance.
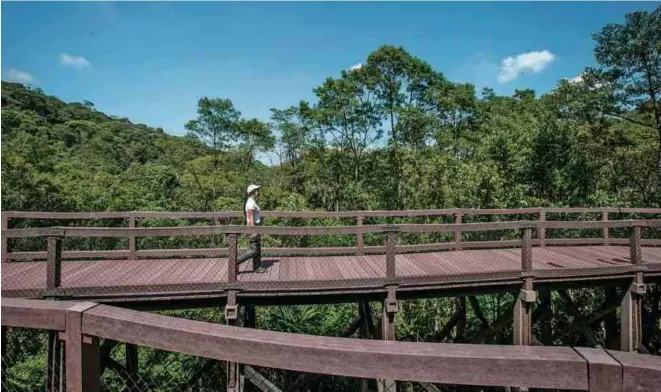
(394, 133)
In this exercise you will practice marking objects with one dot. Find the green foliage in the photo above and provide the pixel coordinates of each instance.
(392, 134)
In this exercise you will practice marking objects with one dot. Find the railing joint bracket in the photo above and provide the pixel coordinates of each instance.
(638, 288)
(528, 296)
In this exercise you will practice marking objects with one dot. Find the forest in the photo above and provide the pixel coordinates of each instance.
(392, 134)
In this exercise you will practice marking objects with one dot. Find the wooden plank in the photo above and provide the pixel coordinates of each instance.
(605, 373)
(639, 372)
(322, 214)
(38, 314)
(428, 362)
(331, 230)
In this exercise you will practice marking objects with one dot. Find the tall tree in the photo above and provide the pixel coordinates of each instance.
(629, 66)
(216, 124)
(253, 136)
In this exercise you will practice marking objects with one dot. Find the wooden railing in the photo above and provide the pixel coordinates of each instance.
(54, 236)
(81, 325)
(132, 217)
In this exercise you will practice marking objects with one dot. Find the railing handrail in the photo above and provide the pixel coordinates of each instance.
(59, 231)
(324, 214)
(465, 364)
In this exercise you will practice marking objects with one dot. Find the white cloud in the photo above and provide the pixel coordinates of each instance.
(15, 75)
(356, 67)
(73, 61)
(512, 67)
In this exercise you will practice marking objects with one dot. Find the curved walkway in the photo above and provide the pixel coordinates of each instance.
(415, 274)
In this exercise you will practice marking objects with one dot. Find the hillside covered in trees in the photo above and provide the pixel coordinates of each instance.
(393, 134)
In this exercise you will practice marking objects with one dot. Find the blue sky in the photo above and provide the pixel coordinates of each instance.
(152, 61)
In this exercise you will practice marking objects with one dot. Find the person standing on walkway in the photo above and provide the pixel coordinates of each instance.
(254, 218)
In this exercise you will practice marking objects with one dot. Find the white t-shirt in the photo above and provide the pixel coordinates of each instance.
(252, 205)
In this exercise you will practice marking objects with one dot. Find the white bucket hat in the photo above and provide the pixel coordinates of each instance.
(252, 188)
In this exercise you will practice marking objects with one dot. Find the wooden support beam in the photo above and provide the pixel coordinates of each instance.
(390, 308)
(460, 306)
(53, 362)
(91, 364)
(429, 387)
(541, 313)
(83, 353)
(612, 337)
(631, 314)
(352, 328)
(106, 348)
(366, 332)
(606, 235)
(259, 381)
(232, 368)
(585, 329)
(599, 315)
(477, 310)
(131, 357)
(522, 317)
(651, 322)
(118, 368)
(459, 312)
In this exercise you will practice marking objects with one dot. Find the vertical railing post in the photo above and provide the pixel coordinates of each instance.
(541, 230)
(231, 257)
(5, 241)
(359, 236)
(457, 232)
(132, 246)
(231, 313)
(390, 308)
(391, 245)
(82, 353)
(604, 218)
(54, 262)
(631, 314)
(522, 328)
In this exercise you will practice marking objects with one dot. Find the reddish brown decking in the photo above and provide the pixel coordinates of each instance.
(324, 273)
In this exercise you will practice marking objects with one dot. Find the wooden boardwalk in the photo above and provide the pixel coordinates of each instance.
(325, 275)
